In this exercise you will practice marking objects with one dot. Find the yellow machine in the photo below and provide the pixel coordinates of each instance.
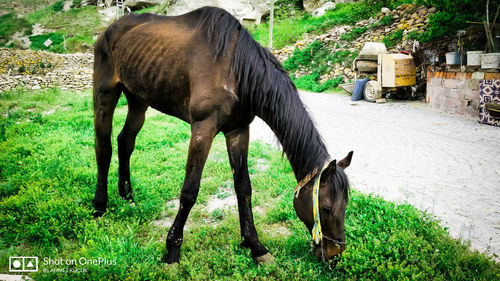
(394, 72)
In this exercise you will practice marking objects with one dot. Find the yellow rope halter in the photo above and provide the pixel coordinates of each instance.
(317, 234)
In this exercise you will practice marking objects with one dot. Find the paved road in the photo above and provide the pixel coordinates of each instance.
(445, 164)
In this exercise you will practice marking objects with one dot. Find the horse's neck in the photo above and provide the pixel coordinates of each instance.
(292, 125)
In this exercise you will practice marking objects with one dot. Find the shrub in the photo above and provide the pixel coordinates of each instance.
(355, 33)
(450, 16)
(10, 24)
(392, 39)
(58, 6)
(57, 46)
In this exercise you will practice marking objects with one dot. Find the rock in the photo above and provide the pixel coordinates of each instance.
(243, 10)
(36, 87)
(135, 5)
(385, 10)
(322, 10)
(311, 5)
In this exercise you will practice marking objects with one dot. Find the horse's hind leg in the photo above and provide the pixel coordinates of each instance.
(126, 143)
(237, 148)
(202, 135)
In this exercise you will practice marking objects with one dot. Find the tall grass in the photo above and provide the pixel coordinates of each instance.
(48, 177)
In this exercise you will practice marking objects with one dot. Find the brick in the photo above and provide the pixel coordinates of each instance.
(462, 84)
(439, 74)
(450, 83)
(430, 74)
(492, 76)
(455, 105)
(441, 101)
(450, 75)
(477, 75)
(456, 93)
(474, 84)
(437, 82)
(463, 75)
(472, 94)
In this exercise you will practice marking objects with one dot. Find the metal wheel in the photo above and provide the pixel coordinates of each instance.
(372, 91)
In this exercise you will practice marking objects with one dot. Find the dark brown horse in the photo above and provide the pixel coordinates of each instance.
(205, 69)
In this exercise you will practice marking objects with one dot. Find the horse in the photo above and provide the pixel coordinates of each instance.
(204, 68)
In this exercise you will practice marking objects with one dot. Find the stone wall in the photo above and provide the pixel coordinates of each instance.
(455, 92)
(39, 69)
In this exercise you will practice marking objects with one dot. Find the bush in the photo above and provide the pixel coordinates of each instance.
(58, 6)
(394, 38)
(10, 24)
(57, 46)
(450, 16)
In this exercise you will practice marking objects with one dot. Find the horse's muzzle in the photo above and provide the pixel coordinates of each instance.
(328, 250)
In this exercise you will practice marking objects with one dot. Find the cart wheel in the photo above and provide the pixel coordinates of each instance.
(372, 91)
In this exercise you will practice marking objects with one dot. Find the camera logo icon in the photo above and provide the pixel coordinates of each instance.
(23, 264)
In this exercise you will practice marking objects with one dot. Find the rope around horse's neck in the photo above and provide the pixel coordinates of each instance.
(317, 234)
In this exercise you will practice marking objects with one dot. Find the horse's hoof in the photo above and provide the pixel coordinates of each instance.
(267, 258)
(97, 214)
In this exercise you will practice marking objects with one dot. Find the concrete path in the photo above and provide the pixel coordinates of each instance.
(445, 164)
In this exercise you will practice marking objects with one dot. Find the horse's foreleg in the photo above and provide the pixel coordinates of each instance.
(105, 99)
(202, 134)
(237, 148)
(126, 143)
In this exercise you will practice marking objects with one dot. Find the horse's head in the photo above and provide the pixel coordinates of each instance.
(332, 202)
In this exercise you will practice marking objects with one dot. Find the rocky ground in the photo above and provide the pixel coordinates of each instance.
(37, 70)
(408, 18)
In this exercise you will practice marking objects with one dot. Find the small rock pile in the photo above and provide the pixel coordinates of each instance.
(40, 69)
(408, 18)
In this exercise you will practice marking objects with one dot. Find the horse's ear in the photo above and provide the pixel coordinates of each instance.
(344, 163)
(330, 170)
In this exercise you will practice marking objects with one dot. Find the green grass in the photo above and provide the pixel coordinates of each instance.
(78, 26)
(10, 24)
(48, 178)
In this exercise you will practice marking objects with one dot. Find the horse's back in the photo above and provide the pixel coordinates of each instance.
(168, 63)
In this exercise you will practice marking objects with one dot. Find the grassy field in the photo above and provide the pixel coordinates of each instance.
(78, 25)
(47, 182)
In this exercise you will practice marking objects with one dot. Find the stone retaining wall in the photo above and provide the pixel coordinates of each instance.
(39, 69)
(455, 92)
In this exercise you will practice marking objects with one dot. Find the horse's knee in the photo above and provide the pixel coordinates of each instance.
(188, 199)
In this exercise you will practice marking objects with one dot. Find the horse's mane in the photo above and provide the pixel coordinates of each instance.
(265, 88)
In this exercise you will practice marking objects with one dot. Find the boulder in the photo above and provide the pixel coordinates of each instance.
(249, 10)
(322, 10)
(311, 5)
(385, 10)
(135, 5)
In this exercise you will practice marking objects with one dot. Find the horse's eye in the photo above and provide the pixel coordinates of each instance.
(327, 210)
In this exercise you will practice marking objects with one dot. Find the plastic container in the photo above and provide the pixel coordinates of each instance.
(474, 58)
(491, 60)
(452, 58)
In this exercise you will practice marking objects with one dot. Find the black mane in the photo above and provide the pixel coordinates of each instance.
(265, 88)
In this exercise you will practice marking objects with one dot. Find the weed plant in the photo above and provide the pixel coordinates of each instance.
(48, 178)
